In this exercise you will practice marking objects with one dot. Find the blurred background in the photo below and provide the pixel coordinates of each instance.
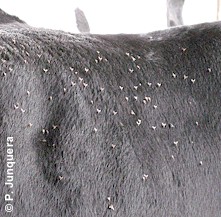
(109, 16)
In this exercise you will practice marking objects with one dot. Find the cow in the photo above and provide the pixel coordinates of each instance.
(174, 12)
(110, 125)
(81, 21)
(7, 18)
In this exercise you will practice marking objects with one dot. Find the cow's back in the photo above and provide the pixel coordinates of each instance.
(115, 125)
